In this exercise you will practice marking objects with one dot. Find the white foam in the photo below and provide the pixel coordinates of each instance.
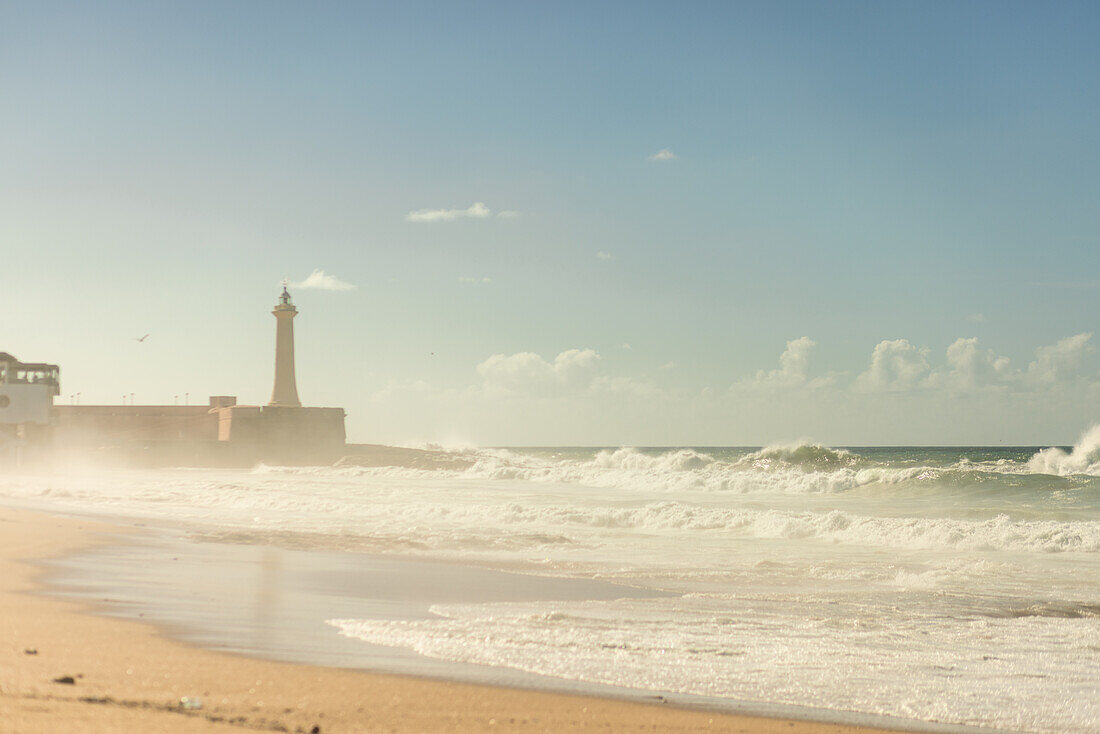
(807, 574)
(797, 469)
(1018, 673)
(999, 533)
(1083, 459)
(794, 469)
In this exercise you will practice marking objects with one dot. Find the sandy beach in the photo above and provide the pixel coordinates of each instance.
(69, 670)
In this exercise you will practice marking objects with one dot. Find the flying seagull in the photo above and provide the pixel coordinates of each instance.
(142, 338)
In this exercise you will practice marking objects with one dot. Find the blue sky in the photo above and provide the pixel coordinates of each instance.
(847, 174)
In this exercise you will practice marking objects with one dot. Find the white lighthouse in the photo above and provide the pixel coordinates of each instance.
(285, 394)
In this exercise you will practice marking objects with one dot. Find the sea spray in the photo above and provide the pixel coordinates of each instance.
(797, 469)
(1084, 458)
(954, 585)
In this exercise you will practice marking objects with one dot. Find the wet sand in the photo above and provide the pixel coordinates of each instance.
(269, 600)
(127, 675)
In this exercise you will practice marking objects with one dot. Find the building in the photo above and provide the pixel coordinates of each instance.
(27, 390)
(220, 433)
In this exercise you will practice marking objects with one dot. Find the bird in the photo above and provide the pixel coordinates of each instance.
(141, 339)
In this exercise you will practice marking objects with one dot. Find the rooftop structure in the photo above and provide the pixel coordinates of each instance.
(27, 390)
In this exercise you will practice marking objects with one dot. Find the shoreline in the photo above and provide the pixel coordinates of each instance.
(129, 674)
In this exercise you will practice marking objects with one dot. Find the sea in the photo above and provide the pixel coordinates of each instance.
(957, 585)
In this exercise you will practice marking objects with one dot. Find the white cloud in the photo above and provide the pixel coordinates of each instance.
(793, 371)
(896, 365)
(664, 154)
(527, 372)
(899, 366)
(604, 255)
(626, 346)
(477, 210)
(966, 392)
(793, 363)
(474, 281)
(507, 214)
(970, 367)
(321, 281)
(1060, 362)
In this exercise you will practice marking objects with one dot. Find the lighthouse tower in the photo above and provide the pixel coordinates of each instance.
(285, 393)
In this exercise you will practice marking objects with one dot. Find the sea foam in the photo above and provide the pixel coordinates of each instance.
(1083, 459)
(798, 469)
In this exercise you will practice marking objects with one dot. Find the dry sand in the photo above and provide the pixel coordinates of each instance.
(127, 677)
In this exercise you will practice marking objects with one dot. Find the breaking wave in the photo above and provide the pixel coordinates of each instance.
(1000, 533)
(803, 455)
(1084, 458)
(806, 469)
(800, 468)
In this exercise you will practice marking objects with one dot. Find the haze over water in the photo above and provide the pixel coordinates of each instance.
(606, 224)
(950, 585)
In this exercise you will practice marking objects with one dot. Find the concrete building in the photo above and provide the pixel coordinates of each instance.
(27, 390)
(218, 433)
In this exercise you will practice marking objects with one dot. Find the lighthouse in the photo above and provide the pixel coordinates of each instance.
(285, 394)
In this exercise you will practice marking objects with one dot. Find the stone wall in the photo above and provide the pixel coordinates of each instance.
(98, 425)
(219, 434)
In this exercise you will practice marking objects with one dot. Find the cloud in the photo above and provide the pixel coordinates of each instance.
(792, 374)
(605, 255)
(664, 154)
(963, 392)
(321, 281)
(507, 214)
(793, 364)
(527, 372)
(970, 367)
(573, 373)
(474, 281)
(1060, 362)
(793, 371)
(477, 210)
(976, 318)
(896, 365)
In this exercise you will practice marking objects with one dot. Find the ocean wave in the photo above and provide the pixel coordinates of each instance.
(1027, 673)
(797, 468)
(803, 455)
(1051, 609)
(524, 525)
(1084, 458)
(1000, 533)
(803, 468)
